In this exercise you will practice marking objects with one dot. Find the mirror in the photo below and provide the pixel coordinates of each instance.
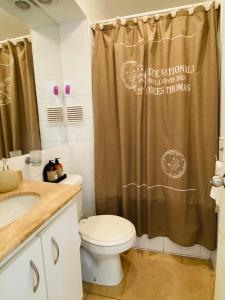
(31, 107)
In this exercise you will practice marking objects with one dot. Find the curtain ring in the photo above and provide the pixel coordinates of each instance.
(101, 26)
(135, 21)
(191, 11)
(173, 14)
(93, 26)
(114, 23)
(122, 21)
(207, 7)
(145, 19)
(157, 17)
(217, 4)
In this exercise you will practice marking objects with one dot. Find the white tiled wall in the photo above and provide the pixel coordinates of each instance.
(76, 70)
(163, 244)
(67, 49)
(48, 72)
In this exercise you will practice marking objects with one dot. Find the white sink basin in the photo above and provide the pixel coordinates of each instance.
(15, 207)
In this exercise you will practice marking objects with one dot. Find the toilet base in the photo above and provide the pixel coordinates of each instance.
(101, 269)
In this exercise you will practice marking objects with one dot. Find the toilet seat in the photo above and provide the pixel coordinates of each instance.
(106, 230)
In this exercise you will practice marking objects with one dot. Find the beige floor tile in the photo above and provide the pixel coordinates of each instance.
(195, 261)
(97, 297)
(162, 256)
(84, 296)
(87, 286)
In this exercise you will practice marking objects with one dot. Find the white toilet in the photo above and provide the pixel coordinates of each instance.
(103, 238)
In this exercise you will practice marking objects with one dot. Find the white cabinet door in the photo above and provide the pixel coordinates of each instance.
(61, 252)
(23, 278)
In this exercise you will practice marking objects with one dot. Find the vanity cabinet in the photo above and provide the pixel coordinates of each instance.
(61, 253)
(49, 267)
(23, 278)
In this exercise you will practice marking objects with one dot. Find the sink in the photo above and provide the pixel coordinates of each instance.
(15, 207)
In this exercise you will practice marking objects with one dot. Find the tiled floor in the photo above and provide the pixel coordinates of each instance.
(136, 279)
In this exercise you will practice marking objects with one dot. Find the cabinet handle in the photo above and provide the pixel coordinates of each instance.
(57, 250)
(33, 266)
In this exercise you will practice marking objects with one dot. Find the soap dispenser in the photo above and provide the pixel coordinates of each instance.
(59, 167)
(50, 172)
(9, 179)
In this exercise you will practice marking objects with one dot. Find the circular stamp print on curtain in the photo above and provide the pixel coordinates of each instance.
(173, 163)
(133, 76)
(129, 74)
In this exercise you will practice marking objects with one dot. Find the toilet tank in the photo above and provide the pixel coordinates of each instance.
(73, 179)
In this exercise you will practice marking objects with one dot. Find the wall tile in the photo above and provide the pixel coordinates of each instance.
(204, 253)
(84, 169)
(80, 82)
(88, 199)
(38, 178)
(82, 151)
(53, 65)
(72, 33)
(213, 259)
(53, 133)
(155, 244)
(49, 145)
(75, 59)
(80, 132)
(171, 247)
(89, 209)
(45, 38)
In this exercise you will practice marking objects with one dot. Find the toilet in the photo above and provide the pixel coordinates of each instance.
(103, 239)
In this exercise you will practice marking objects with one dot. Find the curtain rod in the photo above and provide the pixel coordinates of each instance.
(157, 12)
(16, 39)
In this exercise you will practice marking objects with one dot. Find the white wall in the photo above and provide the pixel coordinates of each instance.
(76, 70)
(48, 72)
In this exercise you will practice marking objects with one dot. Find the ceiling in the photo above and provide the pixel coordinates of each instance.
(11, 27)
(103, 9)
(14, 20)
(17, 22)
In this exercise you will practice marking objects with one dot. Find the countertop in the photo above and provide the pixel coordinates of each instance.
(52, 198)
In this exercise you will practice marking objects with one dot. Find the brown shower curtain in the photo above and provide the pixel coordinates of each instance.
(19, 125)
(155, 86)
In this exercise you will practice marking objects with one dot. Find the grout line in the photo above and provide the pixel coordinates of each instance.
(91, 293)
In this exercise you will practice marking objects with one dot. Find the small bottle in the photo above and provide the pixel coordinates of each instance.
(59, 167)
(50, 172)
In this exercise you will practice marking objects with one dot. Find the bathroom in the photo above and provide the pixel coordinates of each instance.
(128, 96)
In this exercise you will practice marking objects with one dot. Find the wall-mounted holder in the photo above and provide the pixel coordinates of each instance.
(55, 90)
(67, 89)
(34, 159)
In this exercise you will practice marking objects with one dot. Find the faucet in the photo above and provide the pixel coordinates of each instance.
(5, 166)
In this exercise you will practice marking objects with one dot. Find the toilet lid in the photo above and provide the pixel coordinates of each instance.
(106, 230)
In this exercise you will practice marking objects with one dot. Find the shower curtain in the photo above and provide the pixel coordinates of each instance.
(155, 88)
(19, 124)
